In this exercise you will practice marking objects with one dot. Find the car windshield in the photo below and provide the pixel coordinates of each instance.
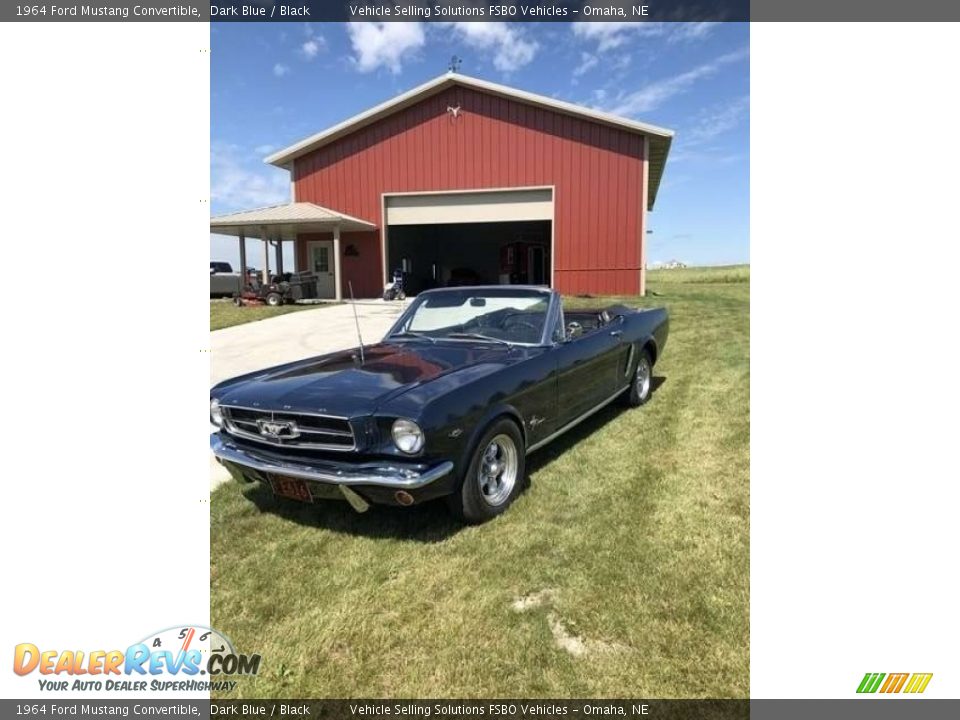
(492, 315)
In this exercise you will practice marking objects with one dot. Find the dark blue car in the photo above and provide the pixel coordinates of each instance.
(466, 383)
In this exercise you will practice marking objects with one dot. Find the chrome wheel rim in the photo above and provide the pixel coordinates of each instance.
(497, 471)
(643, 377)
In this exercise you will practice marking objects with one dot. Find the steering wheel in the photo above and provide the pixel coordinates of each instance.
(512, 321)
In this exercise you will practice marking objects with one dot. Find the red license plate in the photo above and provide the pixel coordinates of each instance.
(292, 488)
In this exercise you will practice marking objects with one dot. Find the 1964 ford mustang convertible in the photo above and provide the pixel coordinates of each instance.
(464, 386)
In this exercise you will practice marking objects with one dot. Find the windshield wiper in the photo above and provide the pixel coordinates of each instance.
(478, 336)
(411, 333)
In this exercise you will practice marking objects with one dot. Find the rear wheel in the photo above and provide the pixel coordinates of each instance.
(642, 382)
(495, 474)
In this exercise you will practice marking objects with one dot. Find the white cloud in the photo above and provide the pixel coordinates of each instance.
(611, 63)
(611, 35)
(587, 63)
(280, 69)
(510, 47)
(237, 183)
(656, 94)
(691, 30)
(717, 120)
(695, 142)
(311, 48)
(263, 150)
(384, 44)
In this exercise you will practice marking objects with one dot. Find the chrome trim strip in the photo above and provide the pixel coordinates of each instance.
(576, 421)
(285, 412)
(313, 431)
(386, 475)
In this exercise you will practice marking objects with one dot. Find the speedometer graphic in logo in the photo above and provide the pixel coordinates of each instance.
(202, 648)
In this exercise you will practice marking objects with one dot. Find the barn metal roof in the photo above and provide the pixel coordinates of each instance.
(288, 217)
(660, 138)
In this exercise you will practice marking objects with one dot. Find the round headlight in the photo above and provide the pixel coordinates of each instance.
(216, 417)
(407, 436)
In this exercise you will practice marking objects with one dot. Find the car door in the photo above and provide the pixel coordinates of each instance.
(587, 371)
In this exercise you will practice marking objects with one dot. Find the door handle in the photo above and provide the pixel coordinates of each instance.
(616, 333)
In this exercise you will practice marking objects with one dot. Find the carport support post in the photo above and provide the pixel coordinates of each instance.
(266, 254)
(243, 260)
(338, 294)
(279, 255)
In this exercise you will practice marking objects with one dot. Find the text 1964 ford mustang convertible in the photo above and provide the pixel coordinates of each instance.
(465, 384)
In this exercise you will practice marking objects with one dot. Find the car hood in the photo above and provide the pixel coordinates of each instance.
(341, 384)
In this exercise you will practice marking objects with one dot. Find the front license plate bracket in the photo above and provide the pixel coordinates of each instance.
(292, 488)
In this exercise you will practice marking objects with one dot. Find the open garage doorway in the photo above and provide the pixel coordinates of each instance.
(470, 237)
(457, 254)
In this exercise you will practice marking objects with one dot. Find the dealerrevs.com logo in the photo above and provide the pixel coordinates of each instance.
(894, 683)
(181, 659)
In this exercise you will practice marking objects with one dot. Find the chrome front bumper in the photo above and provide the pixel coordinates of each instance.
(383, 474)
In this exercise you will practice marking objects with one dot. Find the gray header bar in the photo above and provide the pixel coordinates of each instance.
(478, 10)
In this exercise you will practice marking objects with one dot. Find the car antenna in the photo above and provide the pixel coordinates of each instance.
(353, 304)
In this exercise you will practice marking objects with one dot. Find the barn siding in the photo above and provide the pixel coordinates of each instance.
(597, 173)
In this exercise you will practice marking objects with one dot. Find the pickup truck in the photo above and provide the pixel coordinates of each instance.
(224, 282)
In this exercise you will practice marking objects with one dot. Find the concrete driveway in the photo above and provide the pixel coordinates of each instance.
(257, 345)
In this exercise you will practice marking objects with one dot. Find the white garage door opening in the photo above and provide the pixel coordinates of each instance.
(467, 238)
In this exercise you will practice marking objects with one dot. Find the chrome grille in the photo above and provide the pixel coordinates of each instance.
(289, 429)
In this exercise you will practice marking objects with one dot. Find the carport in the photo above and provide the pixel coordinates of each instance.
(277, 224)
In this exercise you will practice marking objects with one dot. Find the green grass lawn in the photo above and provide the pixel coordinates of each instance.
(623, 571)
(223, 313)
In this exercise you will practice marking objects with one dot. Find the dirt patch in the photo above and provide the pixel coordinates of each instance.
(534, 600)
(573, 644)
(562, 637)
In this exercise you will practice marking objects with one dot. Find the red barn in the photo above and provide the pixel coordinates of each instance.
(462, 181)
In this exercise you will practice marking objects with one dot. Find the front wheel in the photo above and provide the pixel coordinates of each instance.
(642, 382)
(274, 299)
(495, 474)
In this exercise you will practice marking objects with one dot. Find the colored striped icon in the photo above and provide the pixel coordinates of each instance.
(918, 683)
(894, 682)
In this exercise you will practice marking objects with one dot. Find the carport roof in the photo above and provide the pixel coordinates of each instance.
(660, 138)
(287, 219)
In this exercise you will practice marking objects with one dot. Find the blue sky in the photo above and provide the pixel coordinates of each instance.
(273, 84)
